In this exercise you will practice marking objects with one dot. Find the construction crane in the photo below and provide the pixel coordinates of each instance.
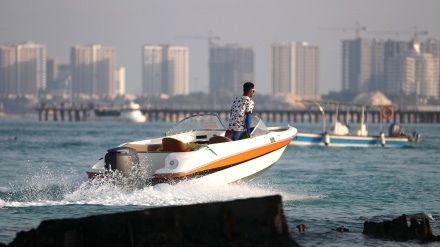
(357, 29)
(360, 28)
(210, 38)
(416, 33)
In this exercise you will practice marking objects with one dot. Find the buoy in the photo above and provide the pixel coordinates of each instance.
(382, 139)
(387, 112)
(326, 139)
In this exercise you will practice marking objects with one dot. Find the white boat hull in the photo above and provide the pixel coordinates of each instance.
(319, 139)
(131, 112)
(134, 116)
(217, 164)
(245, 171)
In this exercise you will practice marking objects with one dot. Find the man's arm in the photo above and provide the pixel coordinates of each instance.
(248, 123)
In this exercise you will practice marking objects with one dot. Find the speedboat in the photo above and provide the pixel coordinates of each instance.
(340, 135)
(196, 148)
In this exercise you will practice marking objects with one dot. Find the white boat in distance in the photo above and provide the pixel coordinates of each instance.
(340, 134)
(196, 148)
(130, 112)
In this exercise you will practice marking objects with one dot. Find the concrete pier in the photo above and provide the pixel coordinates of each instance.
(70, 113)
(55, 113)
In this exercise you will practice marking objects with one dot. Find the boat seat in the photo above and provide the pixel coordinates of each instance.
(173, 145)
(219, 139)
(139, 147)
(144, 148)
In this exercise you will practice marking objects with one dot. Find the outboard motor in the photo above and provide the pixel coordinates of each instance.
(397, 130)
(122, 159)
(416, 137)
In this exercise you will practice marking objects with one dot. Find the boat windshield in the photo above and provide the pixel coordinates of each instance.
(258, 127)
(197, 122)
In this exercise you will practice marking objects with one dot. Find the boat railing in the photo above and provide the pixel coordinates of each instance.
(386, 111)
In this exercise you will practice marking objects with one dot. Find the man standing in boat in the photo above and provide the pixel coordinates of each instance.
(241, 110)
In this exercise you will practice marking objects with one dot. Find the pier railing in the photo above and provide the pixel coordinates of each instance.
(80, 113)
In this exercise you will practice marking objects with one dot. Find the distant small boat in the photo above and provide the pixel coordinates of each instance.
(130, 112)
(340, 135)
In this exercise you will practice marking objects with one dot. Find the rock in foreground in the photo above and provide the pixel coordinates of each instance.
(245, 222)
(397, 229)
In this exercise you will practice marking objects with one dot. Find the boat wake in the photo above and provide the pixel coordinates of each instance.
(49, 189)
(44, 187)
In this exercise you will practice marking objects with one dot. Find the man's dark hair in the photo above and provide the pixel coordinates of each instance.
(247, 87)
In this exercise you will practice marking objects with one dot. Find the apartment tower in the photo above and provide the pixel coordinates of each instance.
(22, 69)
(165, 70)
(413, 72)
(93, 70)
(356, 65)
(230, 66)
(295, 70)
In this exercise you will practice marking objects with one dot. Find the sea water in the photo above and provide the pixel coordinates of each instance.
(43, 164)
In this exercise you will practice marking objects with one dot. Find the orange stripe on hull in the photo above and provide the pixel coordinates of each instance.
(92, 175)
(230, 161)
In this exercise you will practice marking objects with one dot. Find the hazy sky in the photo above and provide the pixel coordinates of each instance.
(129, 24)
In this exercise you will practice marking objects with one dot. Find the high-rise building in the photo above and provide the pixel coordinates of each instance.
(8, 70)
(152, 69)
(295, 70)
(120, 81)
(52, 66)
(392, 48)
(63, 85)
(356, 65)
(165, 69)
(400, 74)
(394, 67)
(176, 77)
(413, 72)
(377, 81)
(22, 69)
(283, 69)
(381, 50)
(93, 70)
(432, 46)
(365, 65)
(230, 66)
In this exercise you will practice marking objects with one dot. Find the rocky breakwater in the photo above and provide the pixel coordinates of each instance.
(398, 229)
(244, 222)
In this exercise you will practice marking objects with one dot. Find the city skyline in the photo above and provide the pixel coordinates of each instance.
(298, 75)
(129, 24)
